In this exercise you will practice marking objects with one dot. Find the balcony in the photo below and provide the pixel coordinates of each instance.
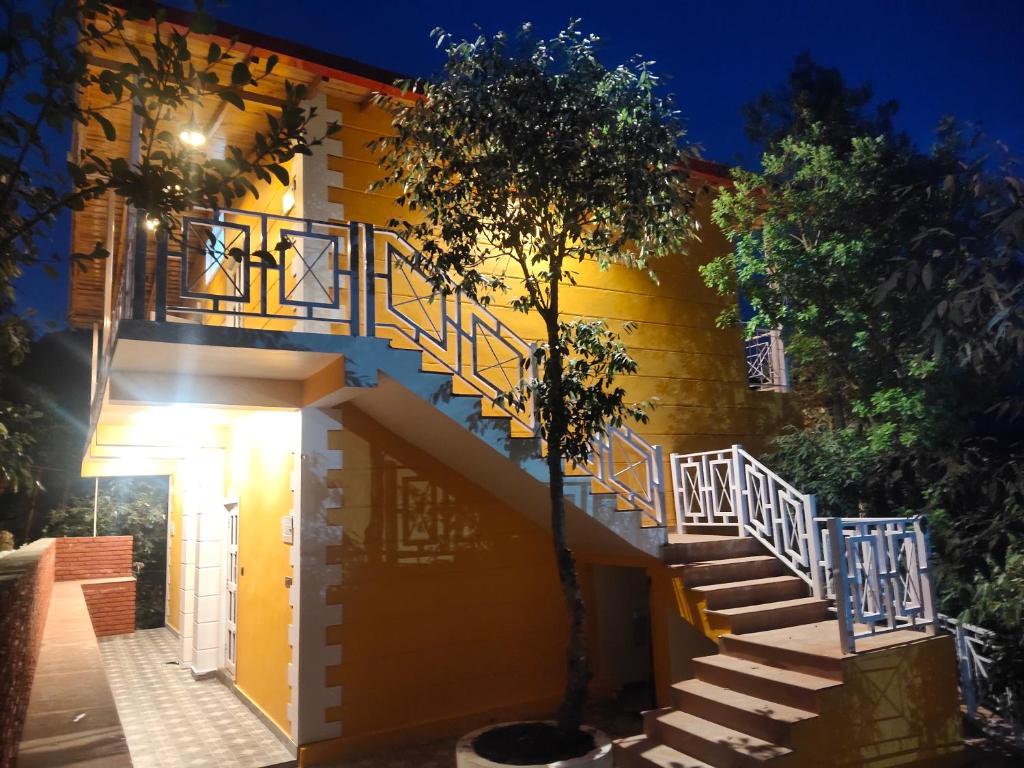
(766, 362)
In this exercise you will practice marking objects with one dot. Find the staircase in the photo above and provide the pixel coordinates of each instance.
(780, 691)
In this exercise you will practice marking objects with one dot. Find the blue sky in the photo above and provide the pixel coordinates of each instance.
(935, 58)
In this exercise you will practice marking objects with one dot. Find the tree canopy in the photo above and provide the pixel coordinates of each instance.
(897, 276)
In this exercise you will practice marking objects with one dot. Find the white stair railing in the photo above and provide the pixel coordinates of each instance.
(875, 570)
(732, 488)
(973, 648)
(878, 576)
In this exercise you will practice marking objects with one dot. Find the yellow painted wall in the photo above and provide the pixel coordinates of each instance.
(259, 471)
(450, 600)
(174, 510)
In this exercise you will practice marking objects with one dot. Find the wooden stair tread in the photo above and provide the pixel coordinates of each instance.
(708, 731)
(787, 676)
(745, 560)
(646, 751)
(746, 583)
(698, 538)
(780, 713)
(778, 604)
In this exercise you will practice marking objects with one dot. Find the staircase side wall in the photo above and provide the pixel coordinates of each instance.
(450, 610)
(899, 706)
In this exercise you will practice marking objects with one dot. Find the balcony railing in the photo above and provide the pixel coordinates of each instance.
(251, 270)
(766, 362)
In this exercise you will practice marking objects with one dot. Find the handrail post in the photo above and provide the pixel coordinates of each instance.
(840, 580)
(925, 584)
(967, 690)
(370, 279)
(814, 546)
(658, 484)
(739, 498)
(160, 278)
(139, 270)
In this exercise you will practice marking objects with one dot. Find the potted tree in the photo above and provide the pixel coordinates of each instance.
(524, 159)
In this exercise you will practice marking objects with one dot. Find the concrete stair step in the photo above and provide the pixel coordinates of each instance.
(812, 649)
(644, 752)
(697, 547)
(762, 718)
(715, 744)
(782, 686)
(729, 569)
(770, 589)
(782, 613)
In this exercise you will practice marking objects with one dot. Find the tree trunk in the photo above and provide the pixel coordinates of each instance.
(577, 662)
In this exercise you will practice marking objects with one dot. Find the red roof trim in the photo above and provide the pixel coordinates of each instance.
(296, 54)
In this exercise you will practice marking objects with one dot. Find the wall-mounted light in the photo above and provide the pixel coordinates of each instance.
(152, 223)
(192, 135)
(288, 199)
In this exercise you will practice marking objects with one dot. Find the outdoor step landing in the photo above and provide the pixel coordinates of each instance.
(810, 648)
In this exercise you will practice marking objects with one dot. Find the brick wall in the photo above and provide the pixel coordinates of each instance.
(94, 558)
(111, 606)
(26, 581)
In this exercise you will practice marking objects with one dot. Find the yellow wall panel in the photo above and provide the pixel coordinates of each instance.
(451, 600)
(259, 472)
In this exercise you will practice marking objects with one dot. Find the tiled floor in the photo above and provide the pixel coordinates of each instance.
(173, 721)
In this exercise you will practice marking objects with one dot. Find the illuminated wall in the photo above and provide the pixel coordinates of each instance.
(452, 609)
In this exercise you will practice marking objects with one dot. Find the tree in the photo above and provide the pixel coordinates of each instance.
(898, 278)
(526, 158)
(126, 506)
(816, 97)
(49, 55)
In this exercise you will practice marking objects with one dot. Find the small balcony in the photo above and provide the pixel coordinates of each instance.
(766, 362)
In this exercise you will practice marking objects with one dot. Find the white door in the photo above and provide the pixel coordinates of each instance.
(231, 590)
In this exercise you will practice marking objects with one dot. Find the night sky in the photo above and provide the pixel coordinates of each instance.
(938, 57)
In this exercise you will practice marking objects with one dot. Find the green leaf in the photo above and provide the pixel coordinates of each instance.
(214, 54)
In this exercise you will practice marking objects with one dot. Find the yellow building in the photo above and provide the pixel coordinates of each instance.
(358, 537)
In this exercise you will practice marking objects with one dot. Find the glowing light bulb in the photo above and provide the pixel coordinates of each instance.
(288, 200)
(192, 136)
(151, 223)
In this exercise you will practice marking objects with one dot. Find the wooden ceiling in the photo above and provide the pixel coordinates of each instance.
(222, 123)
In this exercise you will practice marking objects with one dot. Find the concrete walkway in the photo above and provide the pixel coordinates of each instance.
(174, 721)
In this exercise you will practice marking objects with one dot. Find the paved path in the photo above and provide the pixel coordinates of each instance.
(173, 721)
